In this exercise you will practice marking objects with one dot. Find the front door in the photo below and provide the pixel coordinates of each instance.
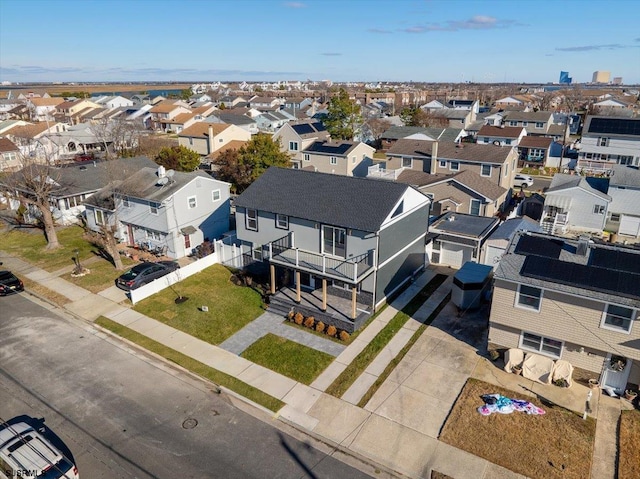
(187, 242)
(616, 374)
(131, 239)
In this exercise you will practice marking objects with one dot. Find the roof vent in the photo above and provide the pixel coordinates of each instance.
(161, 171)
(451, 218)
(583, 245)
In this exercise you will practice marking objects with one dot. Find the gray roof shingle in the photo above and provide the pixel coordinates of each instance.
(345, 201)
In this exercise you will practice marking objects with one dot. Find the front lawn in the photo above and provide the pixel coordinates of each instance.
(103, 274)
(558, 444)
(230, 307)
(30, 245)
(629, 445)
(291, 359)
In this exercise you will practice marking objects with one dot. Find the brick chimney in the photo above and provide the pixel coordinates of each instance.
(210, 140)
(434, 158)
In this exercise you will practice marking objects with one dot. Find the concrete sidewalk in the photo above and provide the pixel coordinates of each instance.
(390, 431)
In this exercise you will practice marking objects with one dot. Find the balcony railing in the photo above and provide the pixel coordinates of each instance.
(376, 171)
(352, 270)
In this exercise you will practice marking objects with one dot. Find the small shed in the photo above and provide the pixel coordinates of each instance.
(470, 284)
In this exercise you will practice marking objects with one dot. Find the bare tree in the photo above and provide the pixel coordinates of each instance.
(375, 127)
(34, 185)
(102, 130)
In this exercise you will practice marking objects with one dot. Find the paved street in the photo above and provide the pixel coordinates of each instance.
(540, 184)
(122, 415)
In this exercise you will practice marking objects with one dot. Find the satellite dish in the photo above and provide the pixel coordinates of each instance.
(170, 173)
(162, 181)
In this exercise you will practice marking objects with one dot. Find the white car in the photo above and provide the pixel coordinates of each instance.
(24, 452)
(522, 180)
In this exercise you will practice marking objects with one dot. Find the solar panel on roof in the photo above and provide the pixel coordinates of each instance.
(615, 259)
(322, 147)
(620, 283)
(319, 126)
(536, 245)
(302, 129)
(616, 126)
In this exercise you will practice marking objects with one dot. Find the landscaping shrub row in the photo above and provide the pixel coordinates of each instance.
(311, 323)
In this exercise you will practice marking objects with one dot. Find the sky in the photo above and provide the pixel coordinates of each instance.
(339, 40)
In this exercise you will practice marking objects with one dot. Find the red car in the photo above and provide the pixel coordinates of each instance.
(84, 157)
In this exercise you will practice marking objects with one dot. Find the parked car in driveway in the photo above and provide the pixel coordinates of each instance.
(144, 273)
(522, 180)
(9, 283)
(25, 452)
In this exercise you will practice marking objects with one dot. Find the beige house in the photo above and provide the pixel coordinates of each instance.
(494, 163)
(341, 157)
(295, 137)
(9, 156)
(42, 109)
(463, 192)
(205, 138)
(573, 300)
(165, 111)
(72, 111)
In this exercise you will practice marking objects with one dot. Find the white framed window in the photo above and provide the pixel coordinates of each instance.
(529, 297)
(306, 157)
(507, 141)
(506, 170)
(474, 207)
(443, 163)
(125, 202)
(353, 159)
(333, 160)
(293, 146)
(617, 318)
(454, 166)
(192, 202)
(539, 124)
(598, 209)
(153, 208)
(407, 162)
(513, 123)
(215, 195)
(153, 235)
(485, 170)
(525, 123)
(251, 219)
(603, 141)
(99, 217)
(541, 344)
(256, 254)
(282, 222)
(220, 140)
(487, 139)
(615, 217)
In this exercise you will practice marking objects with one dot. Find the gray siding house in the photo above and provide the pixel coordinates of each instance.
(172, 212)
(341, 237)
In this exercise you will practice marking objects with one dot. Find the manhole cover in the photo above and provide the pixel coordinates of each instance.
(189, 423)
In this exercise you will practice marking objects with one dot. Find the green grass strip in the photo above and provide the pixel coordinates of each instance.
(291, 359)
(207, 372)
(395, 361)
(377, 344)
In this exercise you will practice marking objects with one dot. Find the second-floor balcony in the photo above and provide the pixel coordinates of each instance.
(376, 171)
(352, 270)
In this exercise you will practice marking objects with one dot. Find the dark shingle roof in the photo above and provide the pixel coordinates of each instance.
(144, 184)
(472, 152)
(345, 201)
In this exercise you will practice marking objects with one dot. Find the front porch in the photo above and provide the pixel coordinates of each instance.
(554, 220)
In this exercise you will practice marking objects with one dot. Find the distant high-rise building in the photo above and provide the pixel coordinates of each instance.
(565, 78)
(601, 77)
(617, 80)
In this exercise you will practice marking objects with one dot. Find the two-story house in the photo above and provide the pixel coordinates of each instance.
(296, 136)
(206, 138)
(342, 157)
(334, 236)
(494, 163)
(395, 133)
(42, 109)
(165, 210)
(537, 123)
(167, 110)
(9, 156)
(571, 300)
(608, 141)
(539, 151)
(624, 210)
(500, 135)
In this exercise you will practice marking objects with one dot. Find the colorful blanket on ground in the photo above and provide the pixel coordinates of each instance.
(504, 405)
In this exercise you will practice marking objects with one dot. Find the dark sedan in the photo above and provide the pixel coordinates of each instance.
(9, 283)
(144, 273)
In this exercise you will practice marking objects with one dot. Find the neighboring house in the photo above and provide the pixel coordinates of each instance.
(456, 238)
(6, 105)
(351, 158)
(167, 210)
(42, 109)
(573, 204)
(536, 151)
(458, 118)
(500, 135)
(272, 121)
(33, 140)
(296, 136)
(395, 133)
(6, 125)
(624, 210)
(537, 123)
(9, 156)
(113, 101)
(80, 138)
(571, 300)
(494, 163)
(163, 112)
(498, 241)
(465, 192)
(509, 102)
(612, 105)
(349, 238)
(71, 111)
(205, 138)
(608, 141)
(469, 105)
(241, 121)
(264, 103)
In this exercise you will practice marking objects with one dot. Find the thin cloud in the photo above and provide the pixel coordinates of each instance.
(295, 5)
(588, 48)
(637, 39)
(331, 54)
(379, 30)
(478, 22)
